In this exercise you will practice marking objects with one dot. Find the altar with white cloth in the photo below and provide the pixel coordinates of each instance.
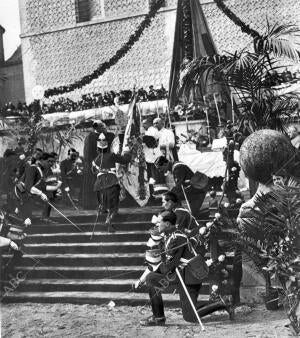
(210, 163)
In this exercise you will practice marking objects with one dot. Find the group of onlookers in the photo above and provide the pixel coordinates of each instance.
(87, 101)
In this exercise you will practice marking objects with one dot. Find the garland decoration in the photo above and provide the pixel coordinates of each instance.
(120, 53)
(244, 27)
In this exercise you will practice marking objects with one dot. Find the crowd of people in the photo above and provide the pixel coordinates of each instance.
(90, 180)
(87, 101)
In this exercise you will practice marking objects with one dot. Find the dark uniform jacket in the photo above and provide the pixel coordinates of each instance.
(184, 219)
(104, 164)
(90, 147)
(182, 174)
(178, 252)
(109, 160)
(34, 176)
(68, 170)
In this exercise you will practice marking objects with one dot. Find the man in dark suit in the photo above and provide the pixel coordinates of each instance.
(71, 174)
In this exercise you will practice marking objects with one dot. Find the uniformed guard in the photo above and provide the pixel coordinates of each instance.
(180, 258)
(107, 185)
(185, 221)
(33, 184)
(190, 186)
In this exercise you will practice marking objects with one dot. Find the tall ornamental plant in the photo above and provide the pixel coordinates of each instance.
(247, 72)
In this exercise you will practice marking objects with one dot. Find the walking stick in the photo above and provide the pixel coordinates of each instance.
(96, 221)
(189, 298)
(52, 206)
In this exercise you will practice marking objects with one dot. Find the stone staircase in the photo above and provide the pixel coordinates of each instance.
(62, 264)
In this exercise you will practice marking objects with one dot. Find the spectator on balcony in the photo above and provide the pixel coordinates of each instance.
(152, 94)
(142, 95)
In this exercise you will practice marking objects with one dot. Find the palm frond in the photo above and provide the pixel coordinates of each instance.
(279, 40)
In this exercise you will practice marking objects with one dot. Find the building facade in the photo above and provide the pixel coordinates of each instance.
(11, 75)
(64, 40)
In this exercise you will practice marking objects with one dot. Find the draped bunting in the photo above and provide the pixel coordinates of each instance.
(120, 53)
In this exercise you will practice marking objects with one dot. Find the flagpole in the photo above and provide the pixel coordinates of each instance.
(129, 123)
(218, 112)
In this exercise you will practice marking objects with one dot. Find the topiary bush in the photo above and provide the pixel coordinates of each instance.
(266, 152)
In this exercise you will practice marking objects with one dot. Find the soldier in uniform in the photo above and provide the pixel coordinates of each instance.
(32, 185)
(107, 185)
(179, 255)
(195, 186)
(185, 221)
(71, 174)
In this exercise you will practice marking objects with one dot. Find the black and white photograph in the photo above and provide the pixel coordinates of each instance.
(150, 168)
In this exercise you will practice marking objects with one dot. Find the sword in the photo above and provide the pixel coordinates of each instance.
(189, 298)
(71, 200)
(185, 197)
(96, 221)
(58, 211)
(188, 205)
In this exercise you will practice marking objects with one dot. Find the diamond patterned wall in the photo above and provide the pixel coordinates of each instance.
(64, 56)
(121, 7)
(43, 15)
(96, 9)
(228, 37)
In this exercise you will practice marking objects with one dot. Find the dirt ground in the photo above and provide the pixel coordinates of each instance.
(67, 320)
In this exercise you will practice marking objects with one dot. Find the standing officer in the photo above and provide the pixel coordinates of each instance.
(71, 174)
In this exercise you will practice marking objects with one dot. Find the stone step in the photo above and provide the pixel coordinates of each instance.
(90, 259)
(86, 227)
(138, 215)
(101, 285)
(99, 259)
(119, 298)
(85, 248)
(81, 272)
(83, 237)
